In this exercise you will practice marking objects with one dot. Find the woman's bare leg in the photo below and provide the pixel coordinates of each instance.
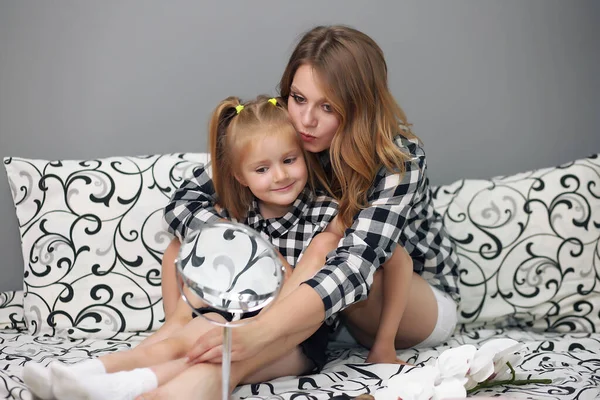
(418, 318)
(397, 275)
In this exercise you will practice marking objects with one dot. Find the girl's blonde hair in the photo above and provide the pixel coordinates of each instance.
(354, 74)
(231, 132)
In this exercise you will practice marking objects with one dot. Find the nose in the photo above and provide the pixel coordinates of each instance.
(308, 117)
(280, 174)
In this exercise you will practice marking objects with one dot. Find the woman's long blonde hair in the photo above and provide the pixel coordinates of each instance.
(354, 74)
(230, 135)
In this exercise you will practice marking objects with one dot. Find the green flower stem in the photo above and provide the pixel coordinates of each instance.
(511, 381)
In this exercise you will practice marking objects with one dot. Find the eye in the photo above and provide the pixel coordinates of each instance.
(290, 160)
(297, 98)
(261, 170)
(327, 108)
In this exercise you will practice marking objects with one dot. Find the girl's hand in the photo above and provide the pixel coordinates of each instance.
(246, 342)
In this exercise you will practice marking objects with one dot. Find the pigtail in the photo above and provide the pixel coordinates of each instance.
(231, 194)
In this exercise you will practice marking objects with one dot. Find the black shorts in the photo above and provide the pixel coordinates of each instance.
(313, 348)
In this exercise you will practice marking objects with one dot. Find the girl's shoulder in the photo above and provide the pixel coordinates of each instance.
(321, 208)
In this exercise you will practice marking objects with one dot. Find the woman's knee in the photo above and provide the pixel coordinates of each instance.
(400, 261)
(325, 242)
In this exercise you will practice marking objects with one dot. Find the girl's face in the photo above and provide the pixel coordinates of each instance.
(310, 112)
(275, 172)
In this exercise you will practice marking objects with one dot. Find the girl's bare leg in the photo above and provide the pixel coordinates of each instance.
(169, 349)
(418, 315)
(168, 285)
(281, 358)
(203, 381)
(177, 312)
(291, 364)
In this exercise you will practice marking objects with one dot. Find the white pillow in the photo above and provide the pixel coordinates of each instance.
(529, 246)
(92, 238)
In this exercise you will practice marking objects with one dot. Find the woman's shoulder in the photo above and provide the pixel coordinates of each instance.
(412, 146)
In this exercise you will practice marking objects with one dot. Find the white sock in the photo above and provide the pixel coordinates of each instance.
(125, 385)
(39, 379)
(88, 367)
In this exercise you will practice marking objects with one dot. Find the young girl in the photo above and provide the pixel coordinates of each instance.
(260, 174)
(335, 84)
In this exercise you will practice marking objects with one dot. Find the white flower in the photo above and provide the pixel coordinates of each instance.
(416, 384)
(451, 388)
(455, 371)
(490, 360)
(455, 363)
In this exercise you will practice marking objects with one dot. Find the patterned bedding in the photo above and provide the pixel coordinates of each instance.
(528, 244)
(571, 360)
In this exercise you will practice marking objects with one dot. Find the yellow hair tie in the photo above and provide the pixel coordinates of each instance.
(273, 101)
(239, 108)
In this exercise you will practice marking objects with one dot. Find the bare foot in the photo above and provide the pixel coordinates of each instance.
(381, 355)
(199, 382)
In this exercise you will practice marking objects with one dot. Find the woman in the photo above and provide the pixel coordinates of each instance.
(338, 99)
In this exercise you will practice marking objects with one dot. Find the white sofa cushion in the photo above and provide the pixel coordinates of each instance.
(11, 310)
(93, 236)
(529, 246)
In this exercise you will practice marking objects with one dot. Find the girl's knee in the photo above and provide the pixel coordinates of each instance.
(170, 254)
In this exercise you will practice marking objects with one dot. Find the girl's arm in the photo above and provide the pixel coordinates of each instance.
(193, 204)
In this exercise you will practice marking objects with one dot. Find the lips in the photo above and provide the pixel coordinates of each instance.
(306, 137)
(285, 188)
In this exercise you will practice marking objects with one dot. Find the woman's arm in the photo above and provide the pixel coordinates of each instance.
(371, 239)
(345, 278)
(192, 204)
(295, 313)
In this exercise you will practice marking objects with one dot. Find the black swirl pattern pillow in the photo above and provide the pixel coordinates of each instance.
(529, 246)
(92, 236)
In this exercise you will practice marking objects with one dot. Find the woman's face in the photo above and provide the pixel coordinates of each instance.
(311, 113)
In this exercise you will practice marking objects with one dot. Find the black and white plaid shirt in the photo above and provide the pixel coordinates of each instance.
(290, 234)
(400, 212)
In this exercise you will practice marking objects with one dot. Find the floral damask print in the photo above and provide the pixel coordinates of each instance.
(529, 246)
(92, 239)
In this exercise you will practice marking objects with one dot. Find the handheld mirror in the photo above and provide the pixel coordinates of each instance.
(231, 268)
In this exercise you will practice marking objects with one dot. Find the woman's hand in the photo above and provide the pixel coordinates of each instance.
(246, 341)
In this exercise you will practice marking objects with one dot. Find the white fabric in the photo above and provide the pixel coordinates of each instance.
(446, 320)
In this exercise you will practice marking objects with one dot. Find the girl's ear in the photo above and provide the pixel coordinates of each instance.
(240, 179)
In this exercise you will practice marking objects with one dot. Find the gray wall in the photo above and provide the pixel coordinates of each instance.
(492, 87)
